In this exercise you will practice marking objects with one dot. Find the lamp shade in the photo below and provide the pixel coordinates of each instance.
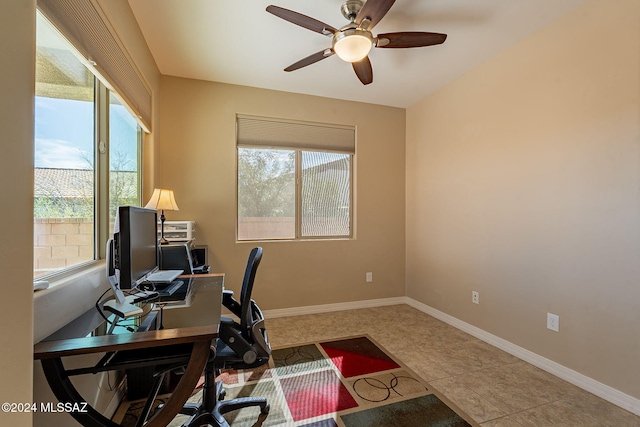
(352, 45)
(162, 199)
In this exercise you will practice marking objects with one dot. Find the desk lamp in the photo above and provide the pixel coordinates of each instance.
(162, 200)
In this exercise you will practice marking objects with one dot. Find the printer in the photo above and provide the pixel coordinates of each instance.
(184, 256)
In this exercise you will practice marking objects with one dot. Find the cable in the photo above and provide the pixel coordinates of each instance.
(101, 312)
(99, 307)
(120, 322)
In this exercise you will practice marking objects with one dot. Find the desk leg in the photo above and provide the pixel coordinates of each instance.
(64, 390)
(148, 406)
(197, 361)
(160, 315)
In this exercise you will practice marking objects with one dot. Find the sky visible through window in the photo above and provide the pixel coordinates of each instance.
(63, 141)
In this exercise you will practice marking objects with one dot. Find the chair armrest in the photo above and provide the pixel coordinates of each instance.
(231, 303)
(134, 341)
(255, 310)
(259, 331)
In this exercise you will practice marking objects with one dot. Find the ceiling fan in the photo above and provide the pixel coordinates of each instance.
(353, 41)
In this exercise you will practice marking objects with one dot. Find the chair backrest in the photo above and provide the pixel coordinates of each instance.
(248, 339)
(246, 313)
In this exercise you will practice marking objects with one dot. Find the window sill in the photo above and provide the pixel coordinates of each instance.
(63, 280)
(306, 239)
(66, 299)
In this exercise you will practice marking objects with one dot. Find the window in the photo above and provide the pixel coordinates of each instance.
(79, 124)
(124, 160)
(326, 194)
(294, 179)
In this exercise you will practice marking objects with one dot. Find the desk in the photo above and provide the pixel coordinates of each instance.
(163, 349)
(206, 292)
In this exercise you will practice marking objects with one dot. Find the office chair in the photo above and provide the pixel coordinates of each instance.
(241, 345)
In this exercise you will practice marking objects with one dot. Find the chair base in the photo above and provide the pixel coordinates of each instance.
(212, 408)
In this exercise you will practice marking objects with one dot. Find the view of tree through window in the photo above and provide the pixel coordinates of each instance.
(267, 194)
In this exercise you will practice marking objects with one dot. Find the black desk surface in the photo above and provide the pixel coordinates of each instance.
(201, 307)
(201, 317)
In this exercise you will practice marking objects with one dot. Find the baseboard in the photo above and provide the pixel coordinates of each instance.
(326, 308)
(604, 391)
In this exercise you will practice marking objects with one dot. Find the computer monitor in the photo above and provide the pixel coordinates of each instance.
(136, 245)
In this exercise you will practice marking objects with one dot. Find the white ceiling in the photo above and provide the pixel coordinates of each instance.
(238, 42)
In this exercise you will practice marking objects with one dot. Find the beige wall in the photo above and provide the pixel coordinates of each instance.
(17, 59)
(523, 184)
(198, 161)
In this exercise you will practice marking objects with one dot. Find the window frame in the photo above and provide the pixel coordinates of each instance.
(101, 165)
(298, 170)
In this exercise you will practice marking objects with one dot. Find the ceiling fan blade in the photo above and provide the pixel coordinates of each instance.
(302, 20)
(311, 59)
(409, 39)
(363, 70)
(373, 11)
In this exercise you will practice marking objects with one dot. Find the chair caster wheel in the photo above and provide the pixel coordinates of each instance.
(222, 395)
(265, 409)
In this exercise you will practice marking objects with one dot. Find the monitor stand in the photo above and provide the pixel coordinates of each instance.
(119, 306)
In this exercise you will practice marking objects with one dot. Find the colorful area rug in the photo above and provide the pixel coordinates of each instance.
(349, 382)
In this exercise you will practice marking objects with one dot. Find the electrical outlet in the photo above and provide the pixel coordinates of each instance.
(475, 297)
(553, 322)
(369, 276)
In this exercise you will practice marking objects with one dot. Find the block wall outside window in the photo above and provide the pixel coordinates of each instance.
(260, 228)
(60, 243)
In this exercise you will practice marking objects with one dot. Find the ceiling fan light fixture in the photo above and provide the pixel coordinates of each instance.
(353, 42)
(352, 45)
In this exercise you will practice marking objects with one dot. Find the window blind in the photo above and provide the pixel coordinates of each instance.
(255, 131)
(83, 24)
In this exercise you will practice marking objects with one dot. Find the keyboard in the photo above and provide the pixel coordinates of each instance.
(140, 296)
(164, 276)
(171, 288)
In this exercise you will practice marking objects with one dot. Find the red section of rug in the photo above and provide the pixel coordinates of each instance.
(315, 394)
(358, 356)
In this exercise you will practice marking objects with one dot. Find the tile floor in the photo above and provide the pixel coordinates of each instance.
(493, 387)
